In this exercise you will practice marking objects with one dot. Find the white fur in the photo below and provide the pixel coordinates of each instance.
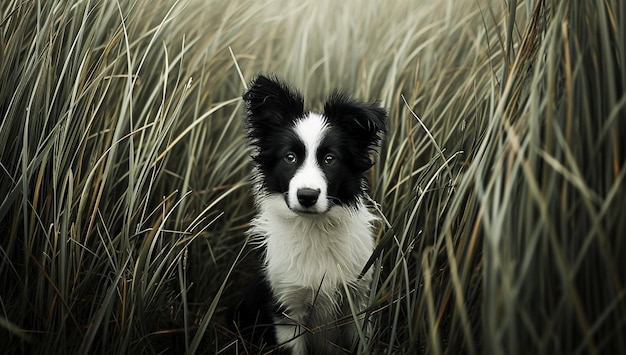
(303, 250)
(311, 130)
(314, 253)
(310, 258)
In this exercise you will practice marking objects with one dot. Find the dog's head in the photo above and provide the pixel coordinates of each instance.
(311, 161)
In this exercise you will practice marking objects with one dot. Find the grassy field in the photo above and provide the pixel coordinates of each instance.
(124, 187)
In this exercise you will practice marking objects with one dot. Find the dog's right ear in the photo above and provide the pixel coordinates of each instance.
(269, 102)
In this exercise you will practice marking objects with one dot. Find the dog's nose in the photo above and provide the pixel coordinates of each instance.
(307, 197)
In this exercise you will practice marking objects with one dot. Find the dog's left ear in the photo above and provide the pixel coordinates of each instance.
(359, 120)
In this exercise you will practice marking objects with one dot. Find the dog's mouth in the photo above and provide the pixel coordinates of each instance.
(302, 210)
(306, 212)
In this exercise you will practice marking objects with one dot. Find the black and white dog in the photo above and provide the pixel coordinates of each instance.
(312, 222)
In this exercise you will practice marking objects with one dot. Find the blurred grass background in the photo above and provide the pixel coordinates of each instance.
(124, 189)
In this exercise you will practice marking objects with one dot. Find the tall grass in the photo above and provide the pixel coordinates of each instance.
(124, 188)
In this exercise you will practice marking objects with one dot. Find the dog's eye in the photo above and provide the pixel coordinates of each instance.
(329, 159)
(291, 158)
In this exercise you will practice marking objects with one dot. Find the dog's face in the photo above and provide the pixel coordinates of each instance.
(312, 161)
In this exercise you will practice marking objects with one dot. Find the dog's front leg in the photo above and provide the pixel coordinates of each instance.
(291, 332)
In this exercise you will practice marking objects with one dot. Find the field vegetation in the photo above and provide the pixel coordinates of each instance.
(501, 185)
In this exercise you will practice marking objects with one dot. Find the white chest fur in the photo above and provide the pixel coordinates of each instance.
(316, 252)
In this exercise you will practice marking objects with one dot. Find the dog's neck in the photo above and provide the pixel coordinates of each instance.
(318, 252)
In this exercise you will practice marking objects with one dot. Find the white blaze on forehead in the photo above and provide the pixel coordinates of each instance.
(311, 131)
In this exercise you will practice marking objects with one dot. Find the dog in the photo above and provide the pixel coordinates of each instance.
(312, 222)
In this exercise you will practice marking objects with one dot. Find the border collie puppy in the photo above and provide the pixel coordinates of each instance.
(315, 229)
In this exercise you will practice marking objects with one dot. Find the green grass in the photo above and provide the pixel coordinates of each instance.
(124, 189)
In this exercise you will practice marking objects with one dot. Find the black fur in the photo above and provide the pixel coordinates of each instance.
(271, 109)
